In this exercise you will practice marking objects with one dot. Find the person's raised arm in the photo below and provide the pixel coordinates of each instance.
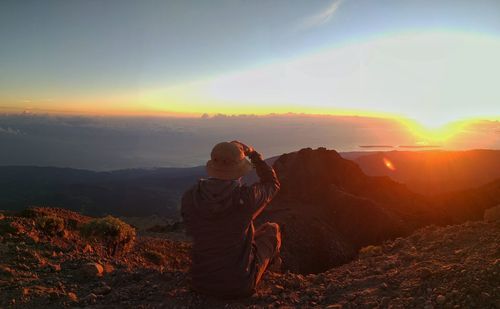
(262, 192)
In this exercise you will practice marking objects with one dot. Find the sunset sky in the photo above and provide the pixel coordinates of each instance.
(428, 62)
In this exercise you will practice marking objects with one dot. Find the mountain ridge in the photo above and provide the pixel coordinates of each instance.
(102, 192)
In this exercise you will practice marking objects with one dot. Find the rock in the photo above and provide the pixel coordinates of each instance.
(6, 272)
(406, 256)
(34, 238)
(54, 267)
(53, 295)
(334, 306)
(72, 297)
(93, 269)
(88, 249)
(384, 303)
(26, 292)
(102, 290)
(388, 265)
(24, 267)
(276, 289)
(440, 299)
(294, 297)
(90, 299)
(424, 273)
(108, 268)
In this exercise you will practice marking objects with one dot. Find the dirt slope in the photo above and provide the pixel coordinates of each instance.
(436, 267)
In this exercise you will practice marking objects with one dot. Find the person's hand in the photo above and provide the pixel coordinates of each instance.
(246, 149)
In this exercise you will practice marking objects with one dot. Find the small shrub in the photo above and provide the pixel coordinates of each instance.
(370, 251)
(154, 257)
(117, 236)
(50, 225)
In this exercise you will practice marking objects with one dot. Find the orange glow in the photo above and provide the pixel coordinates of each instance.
(367, 78)
(389, 164)
(96, 109)
(445, 134)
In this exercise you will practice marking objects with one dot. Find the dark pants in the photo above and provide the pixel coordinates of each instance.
(267, 242)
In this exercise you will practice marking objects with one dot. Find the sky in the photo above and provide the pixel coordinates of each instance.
(427, 63)
(432, 61)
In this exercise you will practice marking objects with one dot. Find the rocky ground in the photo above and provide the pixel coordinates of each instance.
(436, 267)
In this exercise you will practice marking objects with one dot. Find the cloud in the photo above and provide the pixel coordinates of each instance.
(320, 18)
(103, 143)
(10, 131)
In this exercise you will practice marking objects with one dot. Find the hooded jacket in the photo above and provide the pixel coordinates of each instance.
(218, 215)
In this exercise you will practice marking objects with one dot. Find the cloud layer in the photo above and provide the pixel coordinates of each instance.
(117, 142)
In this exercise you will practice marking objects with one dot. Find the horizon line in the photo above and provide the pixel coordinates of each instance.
(6, 110)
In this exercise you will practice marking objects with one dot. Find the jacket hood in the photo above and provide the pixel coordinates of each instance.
(214, 196)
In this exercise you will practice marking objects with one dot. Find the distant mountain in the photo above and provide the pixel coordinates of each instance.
(468, 204)
(328, 207)
(134, 192)
(157, 191)
(432, 172)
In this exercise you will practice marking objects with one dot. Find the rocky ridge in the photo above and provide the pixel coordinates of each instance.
(323, 205)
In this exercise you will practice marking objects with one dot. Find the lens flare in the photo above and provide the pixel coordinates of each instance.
(389, 164)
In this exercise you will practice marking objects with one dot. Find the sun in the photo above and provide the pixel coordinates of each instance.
(435, 135)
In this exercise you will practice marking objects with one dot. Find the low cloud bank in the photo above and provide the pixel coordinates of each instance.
(102, 143)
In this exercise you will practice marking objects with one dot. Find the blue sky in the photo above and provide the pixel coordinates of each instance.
(62, 55)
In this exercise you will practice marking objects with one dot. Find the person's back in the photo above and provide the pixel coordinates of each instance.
(228, 255)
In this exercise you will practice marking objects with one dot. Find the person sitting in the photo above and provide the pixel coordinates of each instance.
(229, 256)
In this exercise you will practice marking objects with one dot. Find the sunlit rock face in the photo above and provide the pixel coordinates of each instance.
(328, 208)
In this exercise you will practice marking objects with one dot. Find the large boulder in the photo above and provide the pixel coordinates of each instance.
(92, 270)
(328, 209)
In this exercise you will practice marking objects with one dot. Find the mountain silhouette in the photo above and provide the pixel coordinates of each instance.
(433, 172)
(135, 192)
